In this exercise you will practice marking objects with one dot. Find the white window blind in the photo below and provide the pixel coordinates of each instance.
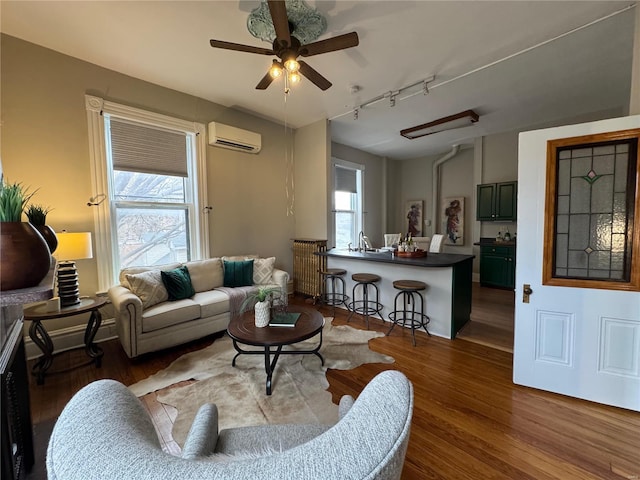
(139, 148)
(346, 180)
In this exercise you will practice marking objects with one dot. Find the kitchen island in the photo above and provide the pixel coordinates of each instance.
(448, 279)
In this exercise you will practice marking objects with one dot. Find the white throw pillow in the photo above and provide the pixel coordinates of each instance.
(263, 270)
(148, 287)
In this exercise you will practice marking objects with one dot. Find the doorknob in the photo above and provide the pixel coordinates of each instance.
(526, 291)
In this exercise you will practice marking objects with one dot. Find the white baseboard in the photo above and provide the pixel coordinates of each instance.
(71, 337)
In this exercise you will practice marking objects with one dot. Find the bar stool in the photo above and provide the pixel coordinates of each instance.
(365, 306)
(334, 288)
(409, 289)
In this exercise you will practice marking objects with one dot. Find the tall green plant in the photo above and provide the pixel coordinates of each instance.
(37, 214)
(13, 200)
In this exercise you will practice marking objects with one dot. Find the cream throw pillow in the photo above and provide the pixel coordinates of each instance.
(148, 287)
(206, 274)
(263, 270)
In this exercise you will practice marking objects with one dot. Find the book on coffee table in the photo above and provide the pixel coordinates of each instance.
(284, 320)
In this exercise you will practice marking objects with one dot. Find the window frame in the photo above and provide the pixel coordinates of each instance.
(101, 179)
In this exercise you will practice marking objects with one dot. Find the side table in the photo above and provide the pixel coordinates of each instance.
(37, 314)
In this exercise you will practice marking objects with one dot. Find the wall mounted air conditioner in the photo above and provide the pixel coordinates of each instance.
(234, 138)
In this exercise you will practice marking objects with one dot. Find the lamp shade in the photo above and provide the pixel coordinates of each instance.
(74, 246)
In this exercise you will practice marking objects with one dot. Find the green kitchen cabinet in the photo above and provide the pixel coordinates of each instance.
(497, 201)
(498, 266)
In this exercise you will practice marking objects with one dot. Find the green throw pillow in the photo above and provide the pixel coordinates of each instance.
(178, 283)
(238, 274)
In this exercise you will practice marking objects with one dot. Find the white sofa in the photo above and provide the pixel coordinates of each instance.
(146, 321)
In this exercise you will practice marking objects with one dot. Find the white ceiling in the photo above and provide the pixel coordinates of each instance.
(515, 63)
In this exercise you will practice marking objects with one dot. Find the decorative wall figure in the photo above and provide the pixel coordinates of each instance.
(453, 220)
(414, 217)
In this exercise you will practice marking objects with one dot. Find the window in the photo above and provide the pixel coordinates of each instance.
(347, 200)
(149, 169)
(591, 221)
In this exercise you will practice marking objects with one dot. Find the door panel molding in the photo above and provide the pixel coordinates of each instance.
(614, 360)
(555, 332)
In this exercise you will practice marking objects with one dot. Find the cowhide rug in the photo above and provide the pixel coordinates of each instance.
(299, 383)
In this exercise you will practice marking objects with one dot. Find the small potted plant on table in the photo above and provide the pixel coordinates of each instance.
(261, 299)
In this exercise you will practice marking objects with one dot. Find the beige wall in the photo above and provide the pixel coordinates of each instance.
(312, 164)
(45, 146)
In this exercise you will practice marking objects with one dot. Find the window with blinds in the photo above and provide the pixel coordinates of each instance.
(347, 199)
(151, 192)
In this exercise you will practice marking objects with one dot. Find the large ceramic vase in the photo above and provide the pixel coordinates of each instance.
(49, 236)
(262, 313)
(24, 256)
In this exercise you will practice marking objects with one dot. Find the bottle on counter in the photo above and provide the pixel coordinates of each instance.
(507, 236)
(499, 237)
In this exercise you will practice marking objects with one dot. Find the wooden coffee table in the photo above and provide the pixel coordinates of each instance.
(243, 330)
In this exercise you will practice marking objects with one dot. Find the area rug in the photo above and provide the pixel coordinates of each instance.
(299, 382)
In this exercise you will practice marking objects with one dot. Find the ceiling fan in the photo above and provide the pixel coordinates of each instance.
(288, 48)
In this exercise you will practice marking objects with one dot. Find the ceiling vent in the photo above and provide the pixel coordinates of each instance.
(234, 138)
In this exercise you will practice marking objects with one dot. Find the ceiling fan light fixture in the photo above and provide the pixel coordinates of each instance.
(276, 70)
(459, 120)
(292, 65)
(294, 78)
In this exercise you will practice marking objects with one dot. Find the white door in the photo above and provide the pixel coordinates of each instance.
(581, 342)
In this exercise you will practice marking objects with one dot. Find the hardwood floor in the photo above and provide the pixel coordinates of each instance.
(492, 321)
(469, 421)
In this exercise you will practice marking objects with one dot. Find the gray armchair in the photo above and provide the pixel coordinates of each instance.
(104, 432)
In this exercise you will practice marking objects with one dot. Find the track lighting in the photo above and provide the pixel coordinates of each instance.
(392, 95)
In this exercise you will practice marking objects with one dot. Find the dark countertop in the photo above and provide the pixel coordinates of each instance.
(431, 260)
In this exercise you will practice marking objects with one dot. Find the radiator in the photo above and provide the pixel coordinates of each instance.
(306, 266)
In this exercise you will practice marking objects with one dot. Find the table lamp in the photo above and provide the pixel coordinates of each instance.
(71, 246)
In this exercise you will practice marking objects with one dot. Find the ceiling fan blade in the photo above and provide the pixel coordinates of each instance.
(312, 74)
(280, 20)
(332, 44)
(240, 48)
(265, 82)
